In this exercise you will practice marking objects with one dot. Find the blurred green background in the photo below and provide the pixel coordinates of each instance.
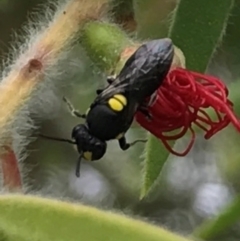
(191, 189)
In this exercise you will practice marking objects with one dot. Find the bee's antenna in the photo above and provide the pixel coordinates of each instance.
(57, 139)
(78, 166)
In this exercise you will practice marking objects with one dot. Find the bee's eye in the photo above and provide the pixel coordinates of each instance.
(74, 132)
(77, 130)
(99, 150)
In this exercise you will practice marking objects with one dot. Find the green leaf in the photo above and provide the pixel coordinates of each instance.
(29, 218)
(231, 44)
(154, 162)
(234, 96)
(197, 28)
(215, 227)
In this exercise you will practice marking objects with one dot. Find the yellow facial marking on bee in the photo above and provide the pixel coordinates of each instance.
(119, 136)
(87, 155)
(121, 98)
(115, 104)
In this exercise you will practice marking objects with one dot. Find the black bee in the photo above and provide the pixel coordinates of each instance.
(112, 112)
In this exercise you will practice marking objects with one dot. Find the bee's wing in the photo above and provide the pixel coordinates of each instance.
(124, 83)
(149, 62)
(121, 85)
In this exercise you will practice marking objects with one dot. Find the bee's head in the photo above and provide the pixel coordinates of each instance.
(90, 147)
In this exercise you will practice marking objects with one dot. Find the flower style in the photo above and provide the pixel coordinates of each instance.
(182, 100)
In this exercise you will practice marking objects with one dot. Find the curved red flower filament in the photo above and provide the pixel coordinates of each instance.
(181, 101)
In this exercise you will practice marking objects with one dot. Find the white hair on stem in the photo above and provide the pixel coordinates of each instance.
(35, 65)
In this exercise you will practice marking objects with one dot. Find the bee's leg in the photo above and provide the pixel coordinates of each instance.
(99, 91)
(124, 145)
(111, 78)
(145, 112)
(72, 109)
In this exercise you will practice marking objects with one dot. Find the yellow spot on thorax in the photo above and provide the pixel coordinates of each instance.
(121, 98)
(87, 155)
(117, 102)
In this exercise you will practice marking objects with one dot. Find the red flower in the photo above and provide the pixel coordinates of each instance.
(181, 100)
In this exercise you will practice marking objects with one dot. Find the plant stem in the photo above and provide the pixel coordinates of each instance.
(10, 170)
(38, 59)
(33, 65)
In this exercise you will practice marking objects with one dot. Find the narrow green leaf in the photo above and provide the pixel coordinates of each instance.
(197, 28)
(215, 227)
(32, 218)
(234, 95)
(156, 159)
(230, 47)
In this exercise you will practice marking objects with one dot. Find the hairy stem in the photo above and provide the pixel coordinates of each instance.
(10, 170)
(37, 60)
(31, 67)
